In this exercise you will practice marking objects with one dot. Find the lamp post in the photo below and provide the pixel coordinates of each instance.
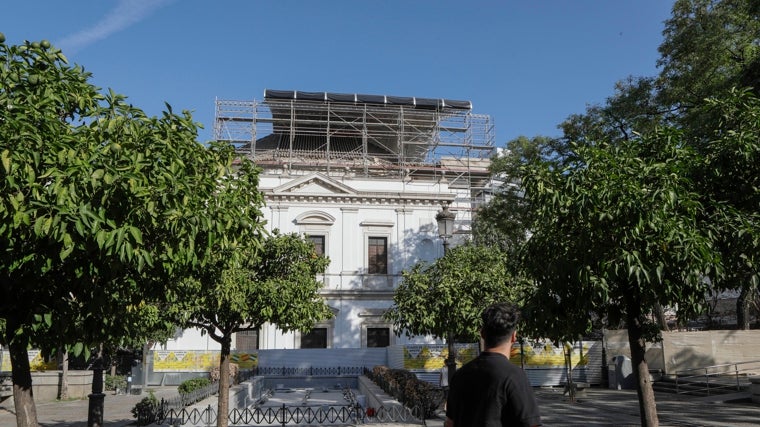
(445, 219)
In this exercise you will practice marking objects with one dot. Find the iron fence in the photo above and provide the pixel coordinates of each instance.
(178, 411)
(308, 371)
(289, 415)
(154, 411)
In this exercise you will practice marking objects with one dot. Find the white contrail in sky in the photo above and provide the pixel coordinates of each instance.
(126, 13)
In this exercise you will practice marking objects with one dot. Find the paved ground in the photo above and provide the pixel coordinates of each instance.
(600, 407)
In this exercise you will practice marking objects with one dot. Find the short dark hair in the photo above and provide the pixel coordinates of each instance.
(499, 322)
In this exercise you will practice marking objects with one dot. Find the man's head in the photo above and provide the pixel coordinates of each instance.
(499, 323)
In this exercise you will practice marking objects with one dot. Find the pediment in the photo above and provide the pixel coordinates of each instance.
(315, 184)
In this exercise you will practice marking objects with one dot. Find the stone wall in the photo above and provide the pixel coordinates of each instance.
(375, 396)
(46, 385)
(682, 350)
(689, 350)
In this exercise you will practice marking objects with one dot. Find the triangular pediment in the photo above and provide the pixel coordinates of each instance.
(315, 184)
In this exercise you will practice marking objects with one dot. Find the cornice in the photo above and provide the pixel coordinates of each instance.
(327, 190)
(357, 294)
(394, 199)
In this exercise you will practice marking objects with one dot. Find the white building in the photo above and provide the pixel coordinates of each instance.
(363, 176)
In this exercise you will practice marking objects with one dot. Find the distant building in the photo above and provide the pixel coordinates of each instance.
(363, 177)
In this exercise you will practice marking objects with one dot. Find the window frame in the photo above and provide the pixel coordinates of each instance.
(378, 328)
(325, 337)
(373, 266)
(322, 244)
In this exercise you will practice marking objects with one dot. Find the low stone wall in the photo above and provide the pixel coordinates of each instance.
(375, 396)
(246, 393)
(46, 385)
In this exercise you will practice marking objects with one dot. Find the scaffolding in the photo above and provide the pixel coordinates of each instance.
(368, 135)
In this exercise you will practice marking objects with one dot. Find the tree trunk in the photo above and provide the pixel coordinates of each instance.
(569, 386)
(743, 307)
(647, 405)
(23, 398)
(64, 375)
(659, 313)
(451, 360)
(97, 397)
(223, 407)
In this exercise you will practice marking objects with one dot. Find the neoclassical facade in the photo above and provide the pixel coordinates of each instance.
(363, 177)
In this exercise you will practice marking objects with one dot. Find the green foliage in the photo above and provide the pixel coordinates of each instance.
(145, 411)
(731, 180)
(115, 382)
(709, 47)
(276, 283)
(189, 386)
(615, 234)
(449, 295)
(268, 279)
(105, 213)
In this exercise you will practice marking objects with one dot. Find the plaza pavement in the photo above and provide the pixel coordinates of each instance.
(599, 407)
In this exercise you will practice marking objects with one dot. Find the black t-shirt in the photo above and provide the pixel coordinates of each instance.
(491, 391)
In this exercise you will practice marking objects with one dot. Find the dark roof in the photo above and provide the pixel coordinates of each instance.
(355, 98)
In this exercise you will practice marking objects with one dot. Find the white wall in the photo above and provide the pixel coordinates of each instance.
(189, 339)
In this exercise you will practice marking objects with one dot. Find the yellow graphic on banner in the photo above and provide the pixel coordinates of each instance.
(545, 354)
(533, 354)
(433, 356)
(197, 361)
(36, 362)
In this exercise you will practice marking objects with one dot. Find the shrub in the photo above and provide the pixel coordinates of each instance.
(189, 386)
(405, 387)
(114, 382)
(146, 410)
(234, 369)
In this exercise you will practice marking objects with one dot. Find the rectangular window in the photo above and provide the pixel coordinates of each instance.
(247, 340)
(319, 243)
(316, 338)
(378, 337)
(377, 250)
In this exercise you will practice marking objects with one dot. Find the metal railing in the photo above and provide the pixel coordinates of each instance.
(285, 415)
(716, 378)
(180, 411)
(309, 371)
(348, 413)
(282, 415)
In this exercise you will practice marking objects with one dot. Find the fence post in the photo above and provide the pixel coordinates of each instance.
(736, 369)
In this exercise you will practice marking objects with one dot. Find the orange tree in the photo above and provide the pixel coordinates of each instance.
(274, 281)
(102, 210)
(445, 299)
(616, 232)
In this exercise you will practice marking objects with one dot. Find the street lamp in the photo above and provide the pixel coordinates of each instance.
(445, 219)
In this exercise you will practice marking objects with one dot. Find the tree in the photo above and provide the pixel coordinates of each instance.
(711, 48)
(504, 220)
(100, 209)
(275, 283)
(445, 299)
(614, 234)
(731, 179)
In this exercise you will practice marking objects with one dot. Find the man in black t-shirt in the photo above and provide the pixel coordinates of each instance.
(490, 390)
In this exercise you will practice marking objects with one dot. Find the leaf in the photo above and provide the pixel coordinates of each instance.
(77, 350)
(6, 160)
(48, 318)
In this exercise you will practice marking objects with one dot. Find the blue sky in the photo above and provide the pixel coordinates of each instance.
(527, 63)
